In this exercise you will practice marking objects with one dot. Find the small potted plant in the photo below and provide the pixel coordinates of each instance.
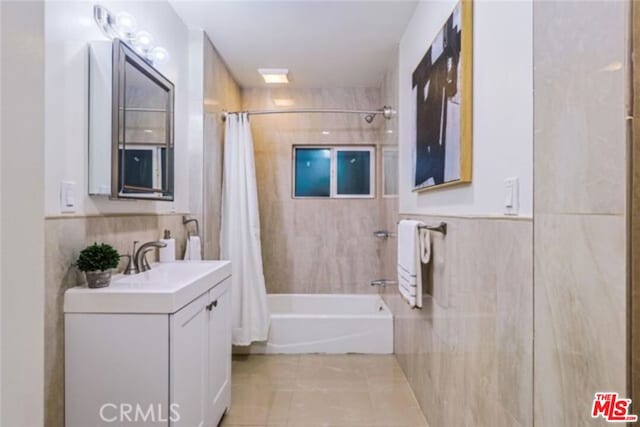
(96, 261)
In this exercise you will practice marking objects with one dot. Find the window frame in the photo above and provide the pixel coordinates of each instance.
(389, 149)
(333, 173)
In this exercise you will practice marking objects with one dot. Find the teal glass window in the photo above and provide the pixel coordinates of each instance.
(353, 173)
(312, 172)
(334, 172)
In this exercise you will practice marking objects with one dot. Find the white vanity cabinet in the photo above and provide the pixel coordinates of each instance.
(159, 360)
(200, 361)
(219, 359)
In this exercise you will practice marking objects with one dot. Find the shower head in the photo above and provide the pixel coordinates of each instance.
(386, 111)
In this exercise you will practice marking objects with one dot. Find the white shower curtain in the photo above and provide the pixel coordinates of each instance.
(240, 233)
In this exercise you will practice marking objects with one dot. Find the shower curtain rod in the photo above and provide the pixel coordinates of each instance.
(386, 111)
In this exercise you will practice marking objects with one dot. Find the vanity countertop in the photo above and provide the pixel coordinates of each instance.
(166, 288)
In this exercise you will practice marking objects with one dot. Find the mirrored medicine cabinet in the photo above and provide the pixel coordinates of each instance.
(131, 117)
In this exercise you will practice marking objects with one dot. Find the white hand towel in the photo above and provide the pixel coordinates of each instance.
(414, 249)
(193, 250)
(425, 246)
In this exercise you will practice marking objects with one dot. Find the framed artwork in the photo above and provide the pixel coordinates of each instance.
(442, 99)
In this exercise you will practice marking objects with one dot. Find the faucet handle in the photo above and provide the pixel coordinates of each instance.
(131, 266)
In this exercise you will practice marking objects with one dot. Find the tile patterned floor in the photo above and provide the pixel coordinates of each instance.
(321, 390)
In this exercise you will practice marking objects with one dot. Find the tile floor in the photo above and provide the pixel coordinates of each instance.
(321, 390)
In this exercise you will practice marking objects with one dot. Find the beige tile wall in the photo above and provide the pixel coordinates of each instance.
(468, 352)
(313, 246)
(635, 218)
(580, 206)
(221, 92)
(389, 205)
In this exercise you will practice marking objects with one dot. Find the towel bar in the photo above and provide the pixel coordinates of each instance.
(440, 228)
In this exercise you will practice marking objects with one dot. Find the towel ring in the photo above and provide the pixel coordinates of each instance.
(186, 221)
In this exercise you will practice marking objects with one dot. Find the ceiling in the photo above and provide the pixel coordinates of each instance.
(323, 43)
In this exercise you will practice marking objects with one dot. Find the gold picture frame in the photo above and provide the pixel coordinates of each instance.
(433, 167)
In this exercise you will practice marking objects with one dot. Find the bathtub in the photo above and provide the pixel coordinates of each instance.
(323, 323)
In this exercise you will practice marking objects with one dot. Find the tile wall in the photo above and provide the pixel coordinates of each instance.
(313, 245)
(467, 354)
(580, 206)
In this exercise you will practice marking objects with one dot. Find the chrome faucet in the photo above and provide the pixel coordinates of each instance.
(140, 258)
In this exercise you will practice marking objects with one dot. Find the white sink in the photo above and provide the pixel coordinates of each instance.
(166, 288)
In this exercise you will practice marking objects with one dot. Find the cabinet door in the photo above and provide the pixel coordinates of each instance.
(188, 360)
(219, 310)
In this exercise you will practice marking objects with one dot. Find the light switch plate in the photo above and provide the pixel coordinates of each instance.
(67, 197)
(511, 196)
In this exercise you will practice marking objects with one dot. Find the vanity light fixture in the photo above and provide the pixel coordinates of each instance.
(326, 132)
(123, 26)
(159, 55)
(143, 39)
(274, 75)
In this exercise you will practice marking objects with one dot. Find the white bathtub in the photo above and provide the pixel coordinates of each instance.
(324, 323)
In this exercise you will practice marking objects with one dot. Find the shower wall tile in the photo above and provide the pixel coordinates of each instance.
(64, 239)
(221, 92)
(388, 206)
(314, 245)
(468, 352)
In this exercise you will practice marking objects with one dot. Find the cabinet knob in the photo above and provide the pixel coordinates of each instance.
(211, 305)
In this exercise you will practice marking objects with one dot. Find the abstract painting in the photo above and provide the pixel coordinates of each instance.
(441, 90)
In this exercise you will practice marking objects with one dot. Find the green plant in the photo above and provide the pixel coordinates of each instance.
(98, 257)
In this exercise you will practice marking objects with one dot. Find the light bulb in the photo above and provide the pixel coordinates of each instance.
(125, 24)
(143, 39)
(158, 55)
(102, 16)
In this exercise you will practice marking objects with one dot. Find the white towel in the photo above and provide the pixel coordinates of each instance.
(414, 249)
(193, 251)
